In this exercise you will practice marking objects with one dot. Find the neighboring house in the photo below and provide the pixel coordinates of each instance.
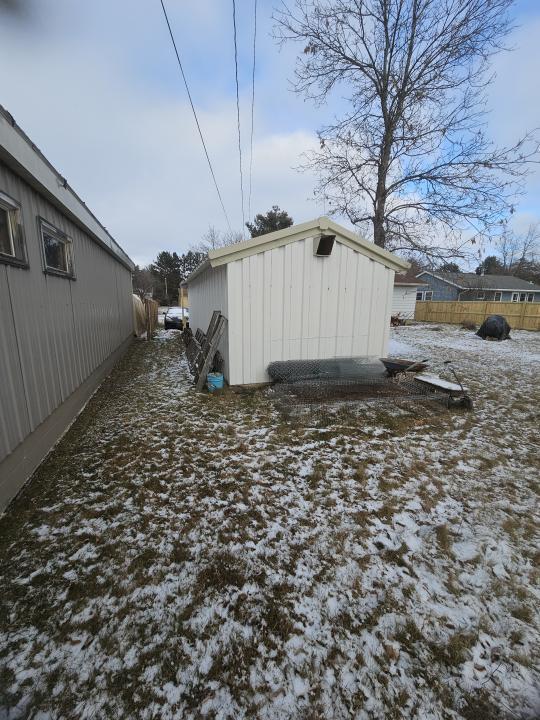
(406, 291)
(469, 286)
(66, 310)
(310, 291)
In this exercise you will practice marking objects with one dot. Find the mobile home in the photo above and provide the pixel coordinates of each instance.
(66, 305)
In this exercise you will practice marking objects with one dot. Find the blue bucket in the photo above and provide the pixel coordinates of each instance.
(214, 381)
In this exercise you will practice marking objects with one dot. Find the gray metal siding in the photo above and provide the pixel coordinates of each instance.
(54, 332)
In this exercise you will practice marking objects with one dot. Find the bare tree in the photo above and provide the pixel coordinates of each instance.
(144, 282)
(507, 246)
(214, 239)
(410, 158)
(517, 249)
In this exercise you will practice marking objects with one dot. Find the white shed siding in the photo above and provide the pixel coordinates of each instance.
(208, 292)
(287, 304)
(404, 301)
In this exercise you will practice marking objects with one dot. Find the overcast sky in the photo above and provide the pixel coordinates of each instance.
(96, 86)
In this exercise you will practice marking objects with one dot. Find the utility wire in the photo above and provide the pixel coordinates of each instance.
(252, 107)
(238, 117)
(195, 115)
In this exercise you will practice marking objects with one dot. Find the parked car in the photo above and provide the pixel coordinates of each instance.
(175, 317)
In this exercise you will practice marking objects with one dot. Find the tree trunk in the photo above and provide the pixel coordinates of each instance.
(379, 231)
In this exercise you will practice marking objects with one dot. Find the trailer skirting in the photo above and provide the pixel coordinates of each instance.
(19, 465)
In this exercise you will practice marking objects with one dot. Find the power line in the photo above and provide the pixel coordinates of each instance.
(252, 107)
(195, 115)
(238, 117)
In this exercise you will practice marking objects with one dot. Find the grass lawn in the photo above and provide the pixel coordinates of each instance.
(189, 556)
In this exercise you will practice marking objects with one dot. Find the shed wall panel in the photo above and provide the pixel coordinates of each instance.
(54, 331)
(319, 307)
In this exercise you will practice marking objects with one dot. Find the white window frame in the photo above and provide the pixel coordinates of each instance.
(46, 227)
(497, 299)
(419, 295)
(480, 295)
(530, 297)
(428, 292)
(515, 297)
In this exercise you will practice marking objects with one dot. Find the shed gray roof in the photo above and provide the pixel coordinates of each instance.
(472, 281)
(20, 154)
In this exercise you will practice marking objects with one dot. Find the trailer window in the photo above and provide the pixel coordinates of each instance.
(12, 247)
(57, 250)
(498, 296)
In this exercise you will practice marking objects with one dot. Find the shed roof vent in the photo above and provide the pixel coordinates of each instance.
(323, 244)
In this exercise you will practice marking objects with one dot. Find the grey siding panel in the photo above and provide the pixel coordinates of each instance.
(14, 420)
(441, 290)
(54, 332)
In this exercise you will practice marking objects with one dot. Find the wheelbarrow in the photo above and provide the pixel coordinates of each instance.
(395, 366)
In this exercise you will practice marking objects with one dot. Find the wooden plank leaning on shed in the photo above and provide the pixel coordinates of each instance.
(202, 348)
(210, 347)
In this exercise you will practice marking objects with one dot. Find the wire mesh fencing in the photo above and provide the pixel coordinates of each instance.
(322, 387)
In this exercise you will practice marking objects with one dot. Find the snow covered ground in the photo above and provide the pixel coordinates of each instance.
(190, 556)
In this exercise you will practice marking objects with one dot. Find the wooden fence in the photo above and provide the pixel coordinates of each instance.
(151, 313)
(521, 316)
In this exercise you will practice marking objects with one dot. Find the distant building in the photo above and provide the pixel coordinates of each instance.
(66, 310)
(407, 289)
(469, 286)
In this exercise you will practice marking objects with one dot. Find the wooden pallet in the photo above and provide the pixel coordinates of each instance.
(201, 349)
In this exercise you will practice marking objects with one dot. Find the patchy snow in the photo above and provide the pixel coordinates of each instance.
(399, 348)
(183, 555)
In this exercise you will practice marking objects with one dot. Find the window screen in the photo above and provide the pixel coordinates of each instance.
(56, 249)
(6, 241)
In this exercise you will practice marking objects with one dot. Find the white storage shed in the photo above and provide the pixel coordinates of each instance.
(312, 291)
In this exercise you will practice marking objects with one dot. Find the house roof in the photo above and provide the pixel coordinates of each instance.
(244, 249)
(472, 281)
(20, 154)
(408, 279)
